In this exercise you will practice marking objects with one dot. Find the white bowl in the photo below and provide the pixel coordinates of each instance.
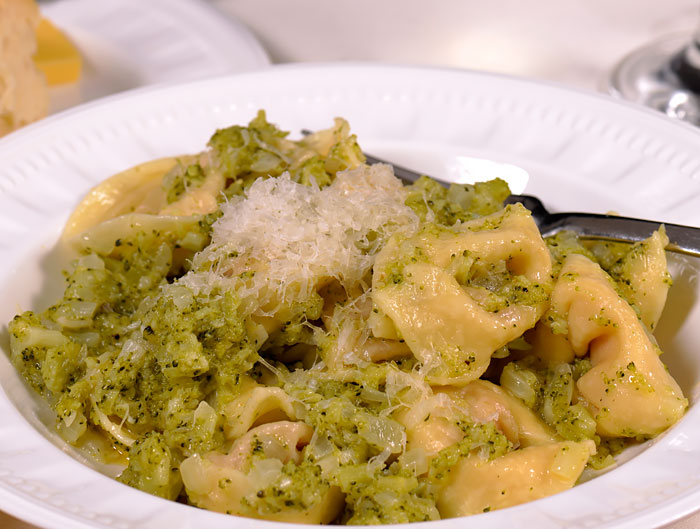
(580, 151)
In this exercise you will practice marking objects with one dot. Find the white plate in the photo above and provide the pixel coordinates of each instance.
(130, 43)
(581, 151)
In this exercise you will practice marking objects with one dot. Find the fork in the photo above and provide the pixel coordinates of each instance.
(683, 239)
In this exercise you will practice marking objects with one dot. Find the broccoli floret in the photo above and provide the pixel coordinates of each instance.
(152, 468)
(298, 487)
(182, 178)
(484, 439)
(385, 496)
(344, 154)
(256, 150)
(461, 202)
(313, 169)
(563, 244)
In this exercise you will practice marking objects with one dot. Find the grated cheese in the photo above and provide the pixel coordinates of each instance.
(284, 240)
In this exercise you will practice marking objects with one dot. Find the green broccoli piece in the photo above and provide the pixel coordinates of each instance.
(256, 150)
(152, 468)
(459, 202)
(182, 178)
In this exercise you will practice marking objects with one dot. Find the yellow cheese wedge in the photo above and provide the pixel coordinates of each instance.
(56, 55)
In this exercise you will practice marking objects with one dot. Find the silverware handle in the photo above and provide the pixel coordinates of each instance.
(683, 239)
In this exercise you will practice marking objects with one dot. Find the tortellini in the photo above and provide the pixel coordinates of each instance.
(643, 278)
(488, 402)
(433, 423)
(105, 237)
(517, 477)
(136, 190)
(628, 389)
(264, 424)
(456, 296)
(539, 465)
(230, 482)
(140, 190)
(259, 405)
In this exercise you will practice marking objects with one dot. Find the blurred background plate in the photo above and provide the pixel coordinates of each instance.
(130, 43)
(578, 151)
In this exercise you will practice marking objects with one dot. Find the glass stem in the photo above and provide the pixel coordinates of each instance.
(686, 64)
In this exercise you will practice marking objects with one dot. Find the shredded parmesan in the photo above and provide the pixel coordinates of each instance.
(284, 240)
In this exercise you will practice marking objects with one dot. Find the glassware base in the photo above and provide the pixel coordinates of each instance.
(645, 76)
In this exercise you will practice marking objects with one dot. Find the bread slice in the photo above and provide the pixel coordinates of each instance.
(23, 90)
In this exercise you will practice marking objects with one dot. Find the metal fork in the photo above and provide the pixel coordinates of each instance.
(683, 239)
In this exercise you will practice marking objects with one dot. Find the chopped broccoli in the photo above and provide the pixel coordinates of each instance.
(180, 179)
(459, 203)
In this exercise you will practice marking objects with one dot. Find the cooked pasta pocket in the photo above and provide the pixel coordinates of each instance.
(274, 329)
(458, 295)
(627, 389)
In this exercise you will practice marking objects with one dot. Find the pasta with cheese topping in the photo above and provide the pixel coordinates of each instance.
(274, 329)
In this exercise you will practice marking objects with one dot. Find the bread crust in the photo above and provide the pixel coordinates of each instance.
(23, 88)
